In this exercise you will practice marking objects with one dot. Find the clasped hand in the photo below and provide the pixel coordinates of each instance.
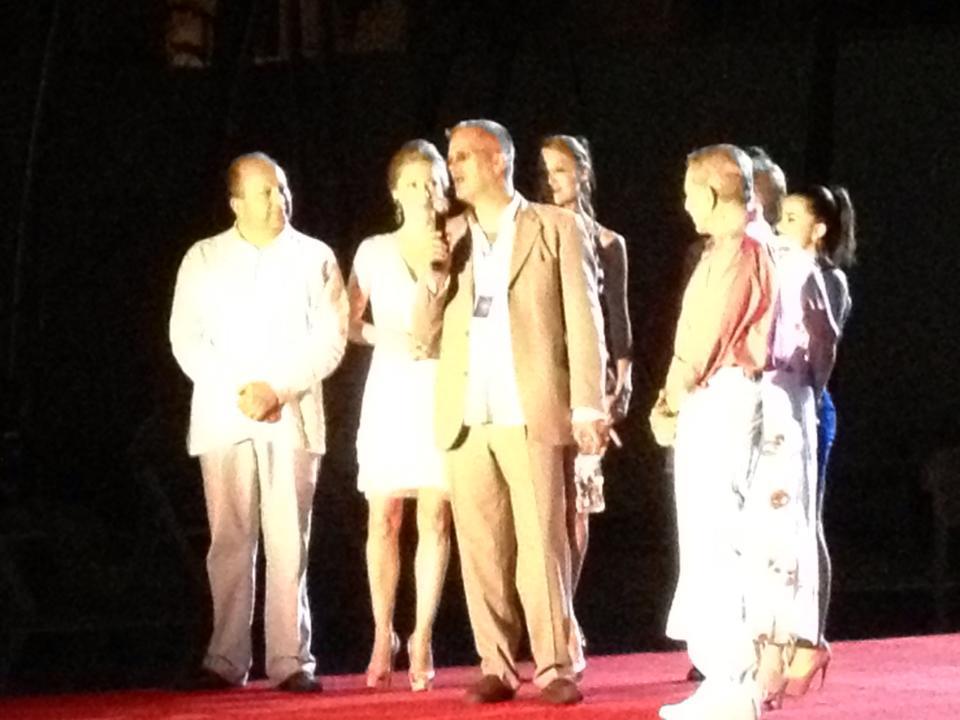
(258, 401)
(663, 422)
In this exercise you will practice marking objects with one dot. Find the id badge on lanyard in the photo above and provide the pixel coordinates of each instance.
(485, 279)
(481, 308)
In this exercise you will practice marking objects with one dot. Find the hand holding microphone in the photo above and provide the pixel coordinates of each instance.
(440, 248)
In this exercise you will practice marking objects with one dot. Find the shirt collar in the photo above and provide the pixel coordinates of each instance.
(282, 239)
(507, 215)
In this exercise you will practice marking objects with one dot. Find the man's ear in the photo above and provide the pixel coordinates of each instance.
(716, 199)
(234, 203)
(500, 162)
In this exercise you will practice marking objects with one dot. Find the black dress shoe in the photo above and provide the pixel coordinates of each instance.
(489, 689)
(204, 680)
(301, 682)
(694, 674)
(562, 691)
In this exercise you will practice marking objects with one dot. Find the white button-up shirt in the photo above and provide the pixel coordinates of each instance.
(492, 395)
(276, 314)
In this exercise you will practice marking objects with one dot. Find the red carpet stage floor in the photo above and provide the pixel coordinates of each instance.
(909, 679)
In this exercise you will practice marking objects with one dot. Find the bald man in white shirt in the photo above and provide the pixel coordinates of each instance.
(259, 320)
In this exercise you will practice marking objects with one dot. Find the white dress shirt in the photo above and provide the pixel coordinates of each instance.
(492, 394)
(276, 314)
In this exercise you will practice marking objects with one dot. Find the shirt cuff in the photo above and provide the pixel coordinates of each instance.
(587, 414)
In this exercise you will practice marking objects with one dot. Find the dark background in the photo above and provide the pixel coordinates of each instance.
(112, 166)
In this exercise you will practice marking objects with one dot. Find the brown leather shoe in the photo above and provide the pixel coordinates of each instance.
(301, 682)
(562, 691)
(489, 689)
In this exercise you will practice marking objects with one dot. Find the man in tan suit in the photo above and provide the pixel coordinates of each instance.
(510, 304)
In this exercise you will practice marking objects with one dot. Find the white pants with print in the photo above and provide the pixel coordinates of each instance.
(717, 444)
(782, 513)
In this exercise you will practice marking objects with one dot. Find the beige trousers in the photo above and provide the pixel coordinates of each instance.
(507, 497)
(248, 487)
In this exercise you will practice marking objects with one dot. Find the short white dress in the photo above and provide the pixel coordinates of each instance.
(396, 453)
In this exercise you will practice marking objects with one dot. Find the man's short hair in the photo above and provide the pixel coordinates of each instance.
(769, 181)
(491, 127)
(726, 169)
(234, 176)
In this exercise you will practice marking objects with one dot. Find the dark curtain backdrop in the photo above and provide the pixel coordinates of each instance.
(102, 527)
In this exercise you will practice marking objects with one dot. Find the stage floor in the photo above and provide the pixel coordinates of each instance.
(906, 678)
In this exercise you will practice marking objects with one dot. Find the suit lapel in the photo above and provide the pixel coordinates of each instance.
(528, 233)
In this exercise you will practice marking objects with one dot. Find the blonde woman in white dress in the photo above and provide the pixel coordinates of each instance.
(396, 454)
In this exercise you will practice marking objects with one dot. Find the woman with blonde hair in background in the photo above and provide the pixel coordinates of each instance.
(568, 180)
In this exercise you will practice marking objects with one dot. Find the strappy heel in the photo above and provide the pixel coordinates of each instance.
(378, 676)
(421, 674)
(798, 685)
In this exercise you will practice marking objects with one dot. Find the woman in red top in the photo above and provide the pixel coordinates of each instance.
(709, 409)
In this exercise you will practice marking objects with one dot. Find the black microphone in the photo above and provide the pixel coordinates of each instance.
(440, 224)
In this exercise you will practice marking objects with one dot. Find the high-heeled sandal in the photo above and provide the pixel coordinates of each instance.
(421, 676)
(379, 677)
(799, 684)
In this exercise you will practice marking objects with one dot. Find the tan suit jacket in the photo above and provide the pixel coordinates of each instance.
(555, 325)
